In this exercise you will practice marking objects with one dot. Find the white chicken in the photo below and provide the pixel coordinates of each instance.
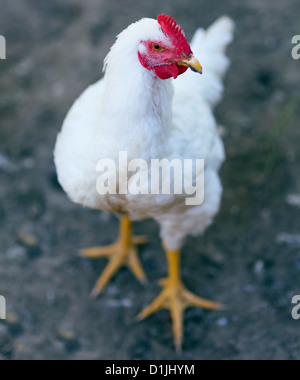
(139, 108)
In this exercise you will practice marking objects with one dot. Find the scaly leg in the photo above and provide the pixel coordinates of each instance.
(177, 299)
(122, 253)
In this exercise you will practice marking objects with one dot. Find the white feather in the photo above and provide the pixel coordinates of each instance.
(132, 110)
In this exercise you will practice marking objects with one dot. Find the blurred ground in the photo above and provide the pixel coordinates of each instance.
(249, 260)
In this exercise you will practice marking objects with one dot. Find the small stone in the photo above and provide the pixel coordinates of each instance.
(259, 267)
(222, 322)
(69, 338)
(127, 303)
(6, 165)
(66, 335)
(17, 254)
(288, 239)
(28, 240)
(293, 200)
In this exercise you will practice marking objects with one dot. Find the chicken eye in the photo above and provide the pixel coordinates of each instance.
(157, 47)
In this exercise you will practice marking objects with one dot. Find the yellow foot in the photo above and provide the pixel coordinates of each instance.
(177, 299)
(122, 253)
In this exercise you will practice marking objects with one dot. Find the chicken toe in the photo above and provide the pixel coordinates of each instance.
(122, 253)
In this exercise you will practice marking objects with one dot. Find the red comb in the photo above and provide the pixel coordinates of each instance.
(174, 32)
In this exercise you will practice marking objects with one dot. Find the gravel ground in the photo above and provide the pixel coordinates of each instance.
(250, 258)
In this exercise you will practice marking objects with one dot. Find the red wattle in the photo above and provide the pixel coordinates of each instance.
(182, 69)
(168, 71)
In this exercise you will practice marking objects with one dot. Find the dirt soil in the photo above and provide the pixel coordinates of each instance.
(249, 259)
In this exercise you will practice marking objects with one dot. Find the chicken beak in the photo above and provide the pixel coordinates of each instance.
(191, 62)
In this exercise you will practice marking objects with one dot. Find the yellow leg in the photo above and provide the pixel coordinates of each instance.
(122, 253)
(177, 299)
